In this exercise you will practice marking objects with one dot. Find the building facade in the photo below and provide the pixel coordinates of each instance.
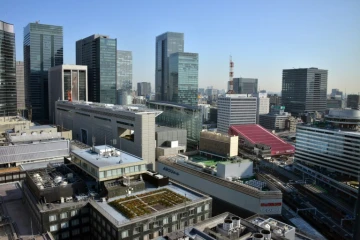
(180, 116)
(183, 78)
(166, 44)
(334, 103)
(43, 49)
(353, 101)
(65, 79)
(218, 144)
(8, 90)
(235, 109)
(143, 89)
(131, 129)
(98, 53)
(325, 146)
(20, 85)
(245, 85)
(304, 90)
(124, 77)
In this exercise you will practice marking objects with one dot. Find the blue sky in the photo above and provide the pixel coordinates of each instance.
(263, 36)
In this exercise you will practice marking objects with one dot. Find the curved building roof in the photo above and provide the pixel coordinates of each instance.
(254, 133)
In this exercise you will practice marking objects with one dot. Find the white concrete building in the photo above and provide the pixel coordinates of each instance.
(263, 106)
(236, 109)
(131, 129)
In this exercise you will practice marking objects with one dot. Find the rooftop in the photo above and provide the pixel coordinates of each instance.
(106, 156)
(149, 202)
(110, 107)
(254, 133)
(176, 105)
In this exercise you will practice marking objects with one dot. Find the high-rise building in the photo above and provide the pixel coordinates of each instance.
(143, 89)
(336, 94)
(304, 90)
(183, 78)
(353, 101)
(124, 70)
(245, 85)
(263, 103)
(66, 81)
(43, 49)
(99, 54)
(20, 85)
(235, 109)
(166, 44)
(8, 100)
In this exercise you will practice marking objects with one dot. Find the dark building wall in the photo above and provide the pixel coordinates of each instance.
(304, 90)
(8, 100)
(43, 49)
(353, 101)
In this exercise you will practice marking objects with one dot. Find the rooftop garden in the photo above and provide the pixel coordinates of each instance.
(209, 162)
(146, 203)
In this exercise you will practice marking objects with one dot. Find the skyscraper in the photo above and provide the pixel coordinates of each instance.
(304, 90)
(8, 102)
(183, 78)
(20, 85)
(166, 44)
(124, 77)
(43, 49)
(143, 89)
(124, 70)
(353, 101)
(98, 53)
(245, 85)
(64, 79)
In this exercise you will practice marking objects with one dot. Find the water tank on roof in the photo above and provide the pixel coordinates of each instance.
(228, 225)
(236, 222)
(258, 236)
(266, 233)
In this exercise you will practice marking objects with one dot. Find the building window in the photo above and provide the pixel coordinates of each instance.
(198, 209)
(165, 220)
(74, 222)
(192, 211)
(84, 210)
(63, 215)
(75, 231)
(101, 175)
(85, 220)
(136, 230)
(125, 234)
(64, 225)
(206, 207)
(145, 227)
(74, 213)
(52, 218)
(65, 234)
(53, 228)
(174, 218)
(85, 229)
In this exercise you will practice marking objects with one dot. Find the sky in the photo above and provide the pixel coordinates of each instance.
(262, 36)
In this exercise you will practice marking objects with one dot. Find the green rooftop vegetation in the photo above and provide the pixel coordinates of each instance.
(207, 161)
(146, 203)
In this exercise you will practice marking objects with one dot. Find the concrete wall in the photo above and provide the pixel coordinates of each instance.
(237, 198)
(167, 151)
(243, 169)
(170, 134)
(219, 144)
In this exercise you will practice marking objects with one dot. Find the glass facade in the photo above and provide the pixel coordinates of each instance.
(180, 116)
(124, 70)
(20, 87)
(98, 53)
(8, 102)
(245, 85)
(166, 44)
(183, 80)
(304, 90)
(43, 49)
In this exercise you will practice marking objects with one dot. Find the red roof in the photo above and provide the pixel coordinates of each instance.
(256, 134)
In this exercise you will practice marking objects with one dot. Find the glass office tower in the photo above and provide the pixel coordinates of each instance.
(304, 90)
(98, 52)
(8, 101)
(43, 49)
(166, 44)
(245, 85)
(183, 78)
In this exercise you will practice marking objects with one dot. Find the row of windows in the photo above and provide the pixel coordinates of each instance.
(64, 215)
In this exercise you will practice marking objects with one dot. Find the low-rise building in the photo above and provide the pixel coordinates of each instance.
(218, 144)
(229, 226)
(130, 128)
(170, 141)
